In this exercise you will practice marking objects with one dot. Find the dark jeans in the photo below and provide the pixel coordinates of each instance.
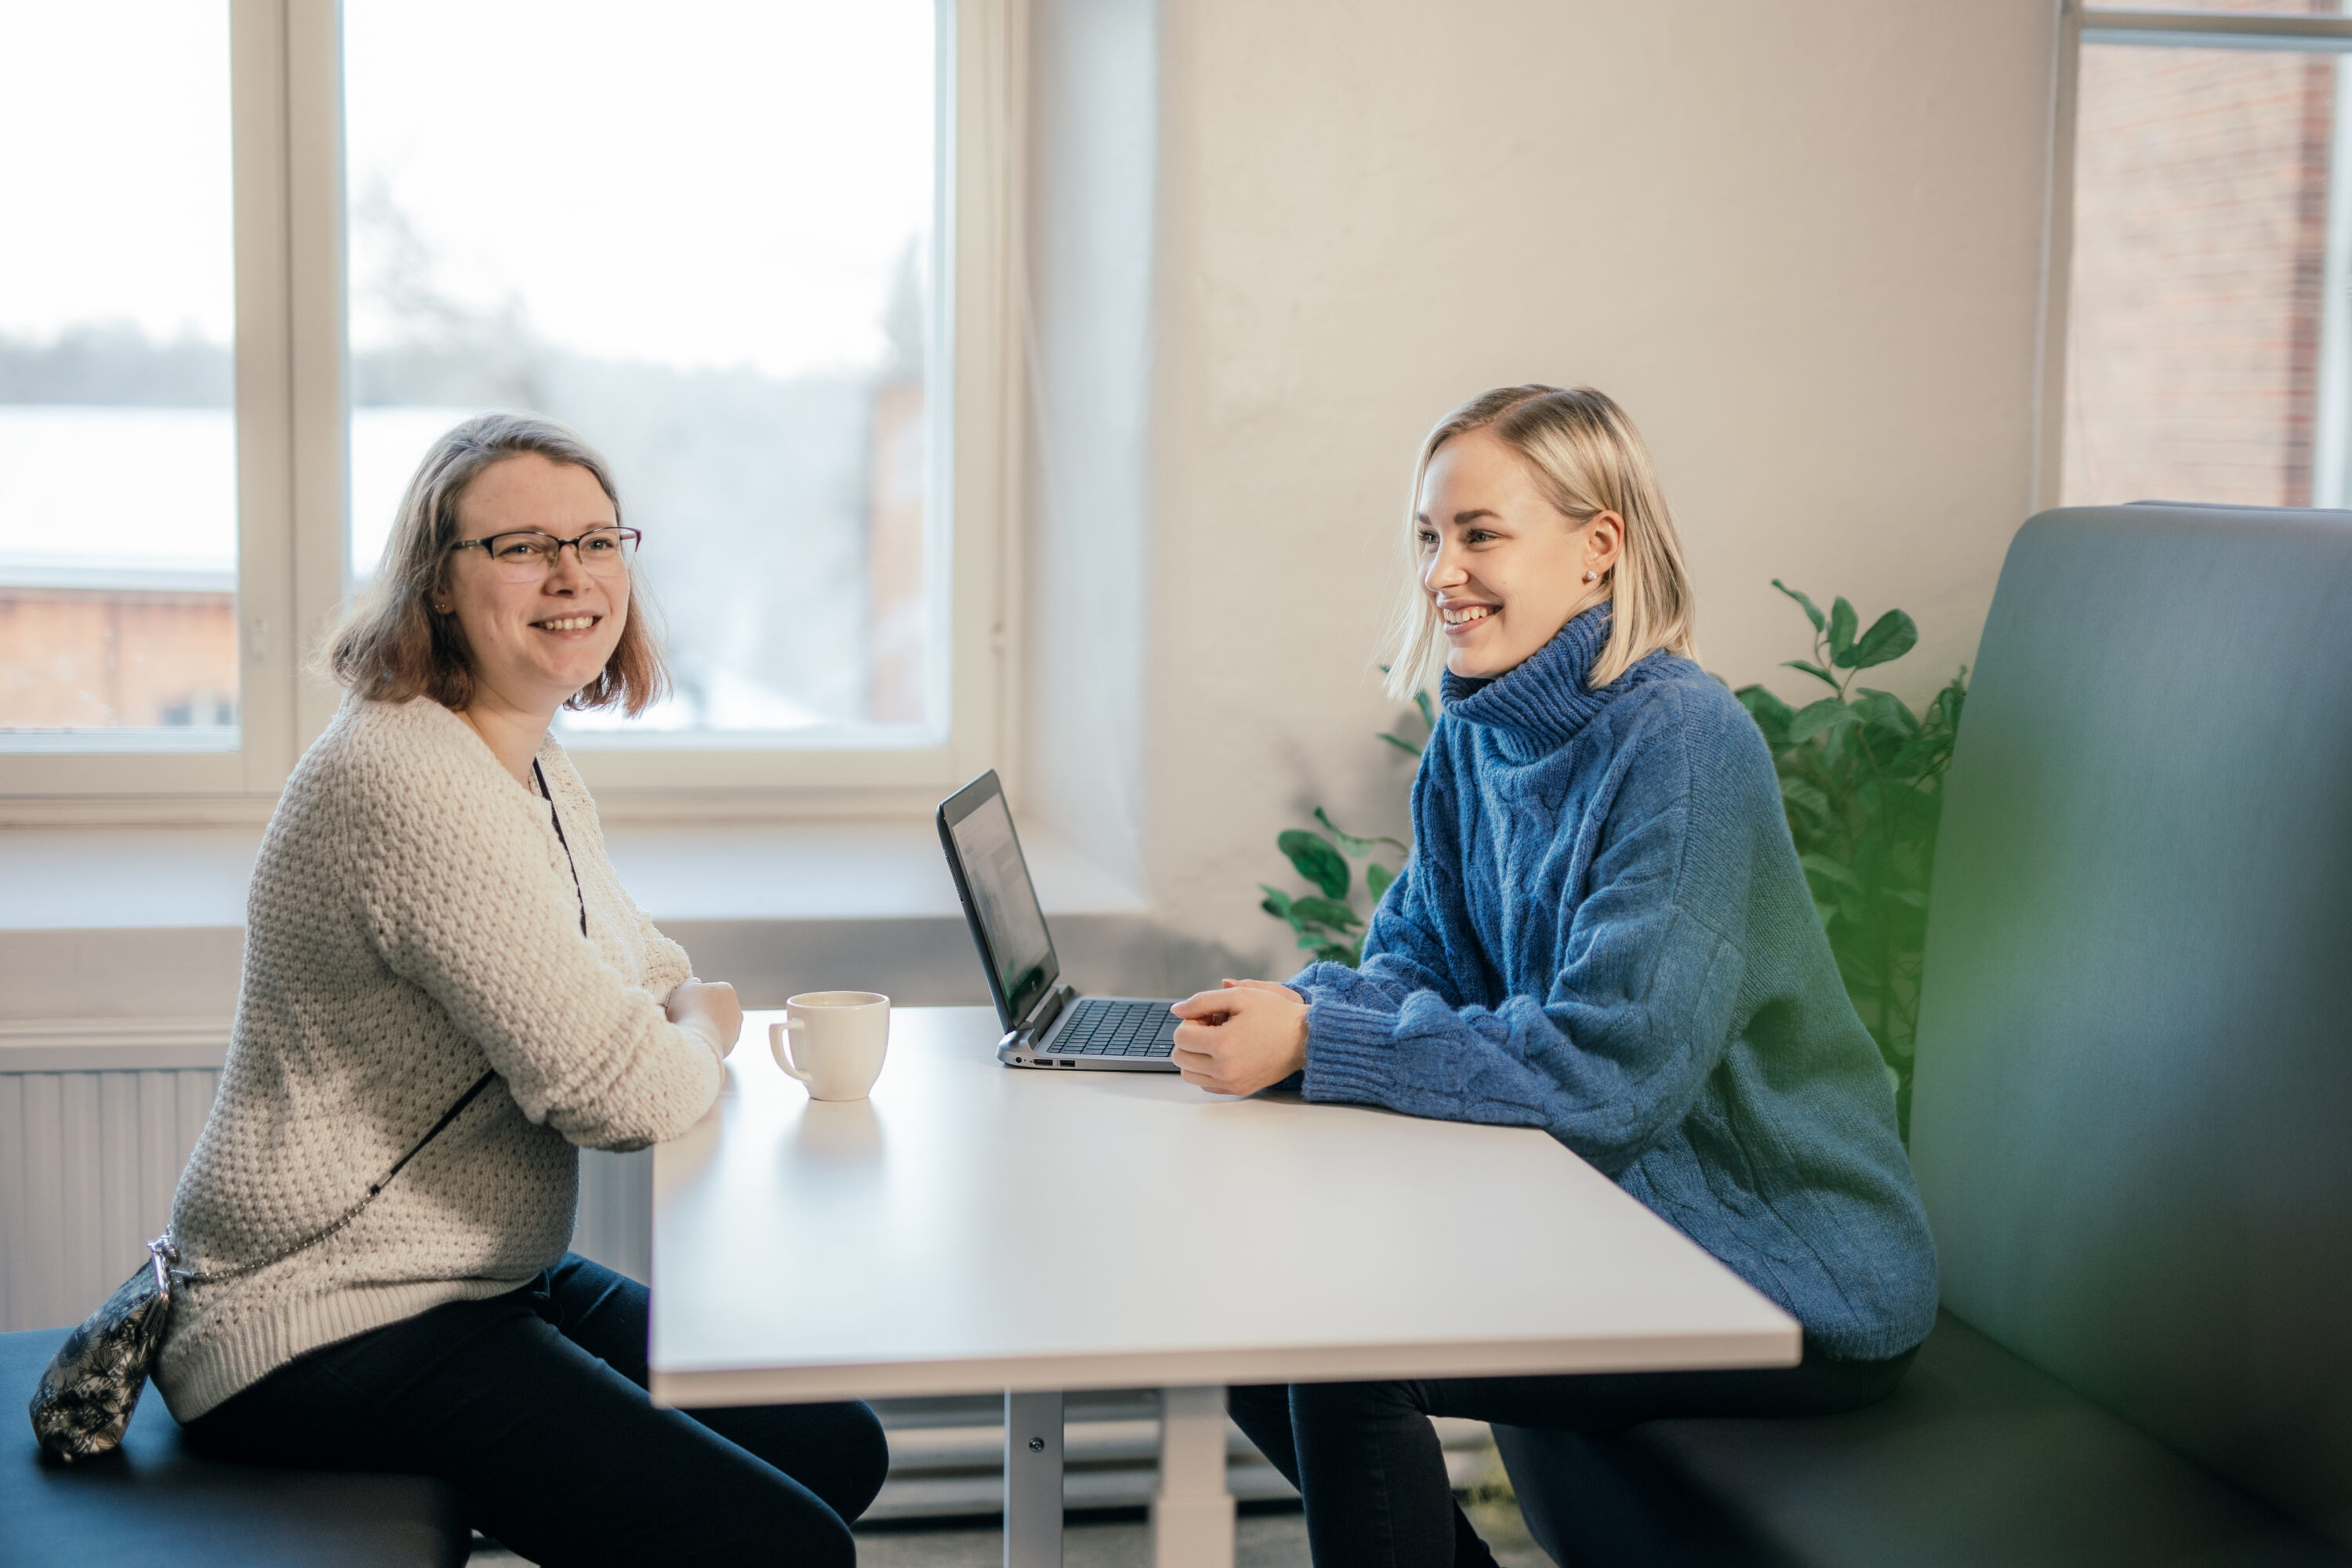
(1366, 1458)
(534, 1404)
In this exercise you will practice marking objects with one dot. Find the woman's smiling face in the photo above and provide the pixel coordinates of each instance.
(1505, 568)
(535, 643)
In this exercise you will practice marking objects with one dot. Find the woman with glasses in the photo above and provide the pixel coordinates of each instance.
(447, 994)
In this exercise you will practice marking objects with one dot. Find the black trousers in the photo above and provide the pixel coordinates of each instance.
(534, 1404)
(1367, 1460)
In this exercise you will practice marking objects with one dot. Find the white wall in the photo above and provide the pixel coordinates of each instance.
(1087, 312)
(1800, 242)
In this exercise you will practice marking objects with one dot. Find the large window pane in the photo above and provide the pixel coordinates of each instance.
(701, 234)
(118, 452)
(2209, 312)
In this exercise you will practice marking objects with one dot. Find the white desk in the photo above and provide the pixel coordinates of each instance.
(973, 1227)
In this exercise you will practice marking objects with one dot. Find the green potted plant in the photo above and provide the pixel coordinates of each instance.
(1862, 781)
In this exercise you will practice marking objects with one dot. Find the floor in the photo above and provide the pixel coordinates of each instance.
(1273, 1539)
(1261, 1541)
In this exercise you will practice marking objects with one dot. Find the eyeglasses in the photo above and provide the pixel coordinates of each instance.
(527, 557)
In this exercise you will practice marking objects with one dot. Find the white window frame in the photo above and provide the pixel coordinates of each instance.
(2161, 28)
(292, 422)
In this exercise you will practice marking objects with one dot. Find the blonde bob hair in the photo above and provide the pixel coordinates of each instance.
(1587, 458)
(393, 647)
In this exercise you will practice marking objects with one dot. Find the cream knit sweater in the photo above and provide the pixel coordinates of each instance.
(412, 924)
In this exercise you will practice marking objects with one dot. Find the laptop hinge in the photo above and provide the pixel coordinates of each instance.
(1041, 1017)
(1050, 1009)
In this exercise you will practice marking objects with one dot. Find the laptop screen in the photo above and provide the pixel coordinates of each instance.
(998, 896)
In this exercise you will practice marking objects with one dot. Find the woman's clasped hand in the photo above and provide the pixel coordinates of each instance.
(709, 1007)
(1247, 1036)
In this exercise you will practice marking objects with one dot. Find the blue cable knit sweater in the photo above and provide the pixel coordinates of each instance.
(1602, 931)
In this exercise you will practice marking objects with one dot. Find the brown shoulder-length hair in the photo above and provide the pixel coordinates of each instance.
(393, 647)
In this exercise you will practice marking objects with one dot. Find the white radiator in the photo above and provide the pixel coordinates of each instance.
(96, 1121)
(87, 1162)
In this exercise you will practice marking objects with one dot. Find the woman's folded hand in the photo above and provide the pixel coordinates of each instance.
(709, 1007)
(1242, 1038)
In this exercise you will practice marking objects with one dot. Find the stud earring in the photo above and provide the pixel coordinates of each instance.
(1588, 576)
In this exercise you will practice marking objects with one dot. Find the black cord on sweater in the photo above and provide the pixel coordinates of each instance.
(557, 818)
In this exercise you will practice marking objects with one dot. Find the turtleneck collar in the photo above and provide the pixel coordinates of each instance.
(1540, 704)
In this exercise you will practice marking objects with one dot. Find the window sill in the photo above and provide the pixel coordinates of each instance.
(120, 947)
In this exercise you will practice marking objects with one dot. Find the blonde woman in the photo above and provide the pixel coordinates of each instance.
(1602, 931)
(447, 992)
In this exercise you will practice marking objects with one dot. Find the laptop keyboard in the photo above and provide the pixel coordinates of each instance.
(1100, 1029)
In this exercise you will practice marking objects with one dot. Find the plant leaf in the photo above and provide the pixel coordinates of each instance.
(1407, 747)
(1842, 621)
(1316, 860)
(1324, 912)
(1890, 636)
(1276, 902)
(1815, 671)
(1428, 711)
(1348, 841)
(1886, 710)
(1829, 713)
(1806, 793)
(1948, 701)
(1812, 611)
(1772, 714)
(1830, 868)
(1377, 881)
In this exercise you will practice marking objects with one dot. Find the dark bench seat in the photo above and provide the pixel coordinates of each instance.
(1978, 1461)
(2130, 1110)
(154, 1502)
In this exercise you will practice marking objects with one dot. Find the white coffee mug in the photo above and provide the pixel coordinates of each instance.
(840, 1037)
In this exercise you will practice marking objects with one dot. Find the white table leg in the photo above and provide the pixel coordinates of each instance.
(1032, 1480)
(1193, 1516)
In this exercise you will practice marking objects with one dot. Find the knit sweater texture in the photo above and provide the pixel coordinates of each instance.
(412, 924)
(1602, 931)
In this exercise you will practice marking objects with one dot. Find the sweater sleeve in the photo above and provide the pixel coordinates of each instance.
(1406, 945)
(667, 964)
(459, 898)
(1614, 1055)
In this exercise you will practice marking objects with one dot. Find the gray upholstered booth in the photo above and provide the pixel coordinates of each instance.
(154, 1502)
(2132, 1119)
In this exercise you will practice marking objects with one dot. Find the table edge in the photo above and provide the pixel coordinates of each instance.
(1777, 1345)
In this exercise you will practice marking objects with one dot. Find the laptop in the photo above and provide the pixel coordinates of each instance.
(1046, 1023)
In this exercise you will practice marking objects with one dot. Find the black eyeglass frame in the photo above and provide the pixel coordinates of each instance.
(632, 539)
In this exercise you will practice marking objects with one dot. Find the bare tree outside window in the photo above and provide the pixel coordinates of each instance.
(720, 271)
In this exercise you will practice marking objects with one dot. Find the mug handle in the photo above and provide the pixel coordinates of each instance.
(780, 1047)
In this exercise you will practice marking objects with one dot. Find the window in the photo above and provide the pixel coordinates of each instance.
(117, 440)
(725, 286)
(2209, 298)
(754, 250)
